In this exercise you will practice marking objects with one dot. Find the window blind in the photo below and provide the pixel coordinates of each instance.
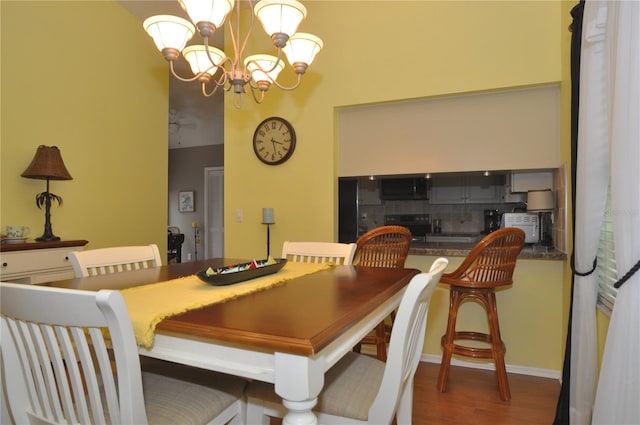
(607, 270)
(497, 130)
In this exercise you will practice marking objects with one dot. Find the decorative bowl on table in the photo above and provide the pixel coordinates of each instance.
(229, 275)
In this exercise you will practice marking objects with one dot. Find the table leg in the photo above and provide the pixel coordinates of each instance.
(298, 380)
(299, 413)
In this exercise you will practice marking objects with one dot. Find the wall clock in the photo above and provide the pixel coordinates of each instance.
(274, 141)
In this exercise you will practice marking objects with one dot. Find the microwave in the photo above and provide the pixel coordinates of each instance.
(527, 222)
(404, 188)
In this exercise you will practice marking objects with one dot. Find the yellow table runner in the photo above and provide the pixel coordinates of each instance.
(148, 305)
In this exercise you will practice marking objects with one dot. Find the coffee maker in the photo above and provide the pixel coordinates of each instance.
(491, 220)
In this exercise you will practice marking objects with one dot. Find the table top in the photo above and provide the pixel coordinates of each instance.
(300, 317)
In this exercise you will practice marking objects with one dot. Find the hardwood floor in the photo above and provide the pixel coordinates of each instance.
(472, 399)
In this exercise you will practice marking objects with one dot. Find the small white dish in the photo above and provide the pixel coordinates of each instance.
(14, 240)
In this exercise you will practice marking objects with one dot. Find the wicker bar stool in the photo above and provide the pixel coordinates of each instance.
(488, 265)
(384, 246)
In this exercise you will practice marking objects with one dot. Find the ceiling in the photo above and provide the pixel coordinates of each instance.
(193, 119)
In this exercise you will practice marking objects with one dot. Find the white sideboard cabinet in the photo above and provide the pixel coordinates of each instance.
(37, 262)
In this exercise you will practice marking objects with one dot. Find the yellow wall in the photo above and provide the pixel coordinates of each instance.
(374, 52)
(530, 313)
(84, 76)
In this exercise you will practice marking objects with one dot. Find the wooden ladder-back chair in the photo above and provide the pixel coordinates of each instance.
(70, 357)
(100, 261)
(490, 264)
(384, 246)
(319, 252)
(360, 389)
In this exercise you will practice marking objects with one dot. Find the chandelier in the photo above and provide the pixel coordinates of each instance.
(280, 20)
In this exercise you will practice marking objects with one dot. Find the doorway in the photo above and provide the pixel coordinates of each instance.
(214, 212)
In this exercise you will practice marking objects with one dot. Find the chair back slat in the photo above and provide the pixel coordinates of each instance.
(105, 368)
(95, 262)
(319, 252)
(62, 383)
(61, 348)
(492, 260)
(384, 246)
(56, 346)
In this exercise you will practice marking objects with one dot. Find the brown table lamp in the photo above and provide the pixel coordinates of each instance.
(542, 202)
(47, 165)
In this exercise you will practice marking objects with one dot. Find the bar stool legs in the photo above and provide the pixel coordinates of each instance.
(447, 340)
(486, 297)
(490, 264)
(381, 343)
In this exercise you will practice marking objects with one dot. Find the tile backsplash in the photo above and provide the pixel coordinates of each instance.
(467, 218)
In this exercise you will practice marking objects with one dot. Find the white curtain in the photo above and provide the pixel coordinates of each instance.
(592, 181)
(608, 152)
(618, 392)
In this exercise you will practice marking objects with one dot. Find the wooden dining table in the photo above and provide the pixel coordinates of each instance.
(288, 335)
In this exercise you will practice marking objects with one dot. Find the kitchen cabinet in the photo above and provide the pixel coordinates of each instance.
(38, 262)
(466, 189)
(524, 181)
(368, 192)
(448, 189)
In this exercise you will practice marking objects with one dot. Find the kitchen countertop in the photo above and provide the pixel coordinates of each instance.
(462, 249)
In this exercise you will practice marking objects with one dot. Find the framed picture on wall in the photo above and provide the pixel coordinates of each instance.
(186, 201)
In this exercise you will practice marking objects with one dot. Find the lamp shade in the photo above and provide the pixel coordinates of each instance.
(280, 16)
(540, 200)
(302, 47)
(198, 58)
(47, 164)
(169, 32)
(264, 67)
(213, 11)
(267, 216)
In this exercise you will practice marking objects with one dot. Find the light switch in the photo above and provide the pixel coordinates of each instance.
(238, 216)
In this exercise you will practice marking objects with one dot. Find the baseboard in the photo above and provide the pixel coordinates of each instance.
(521, 370)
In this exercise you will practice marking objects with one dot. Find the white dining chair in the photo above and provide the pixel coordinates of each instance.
(361, 389)
(56, 368)
(100, 261)
(319, 252)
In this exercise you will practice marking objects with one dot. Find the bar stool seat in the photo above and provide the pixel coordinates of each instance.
(490, 264)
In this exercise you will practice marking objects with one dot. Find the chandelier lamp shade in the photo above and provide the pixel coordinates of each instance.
(47, 165)
(213, 68)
